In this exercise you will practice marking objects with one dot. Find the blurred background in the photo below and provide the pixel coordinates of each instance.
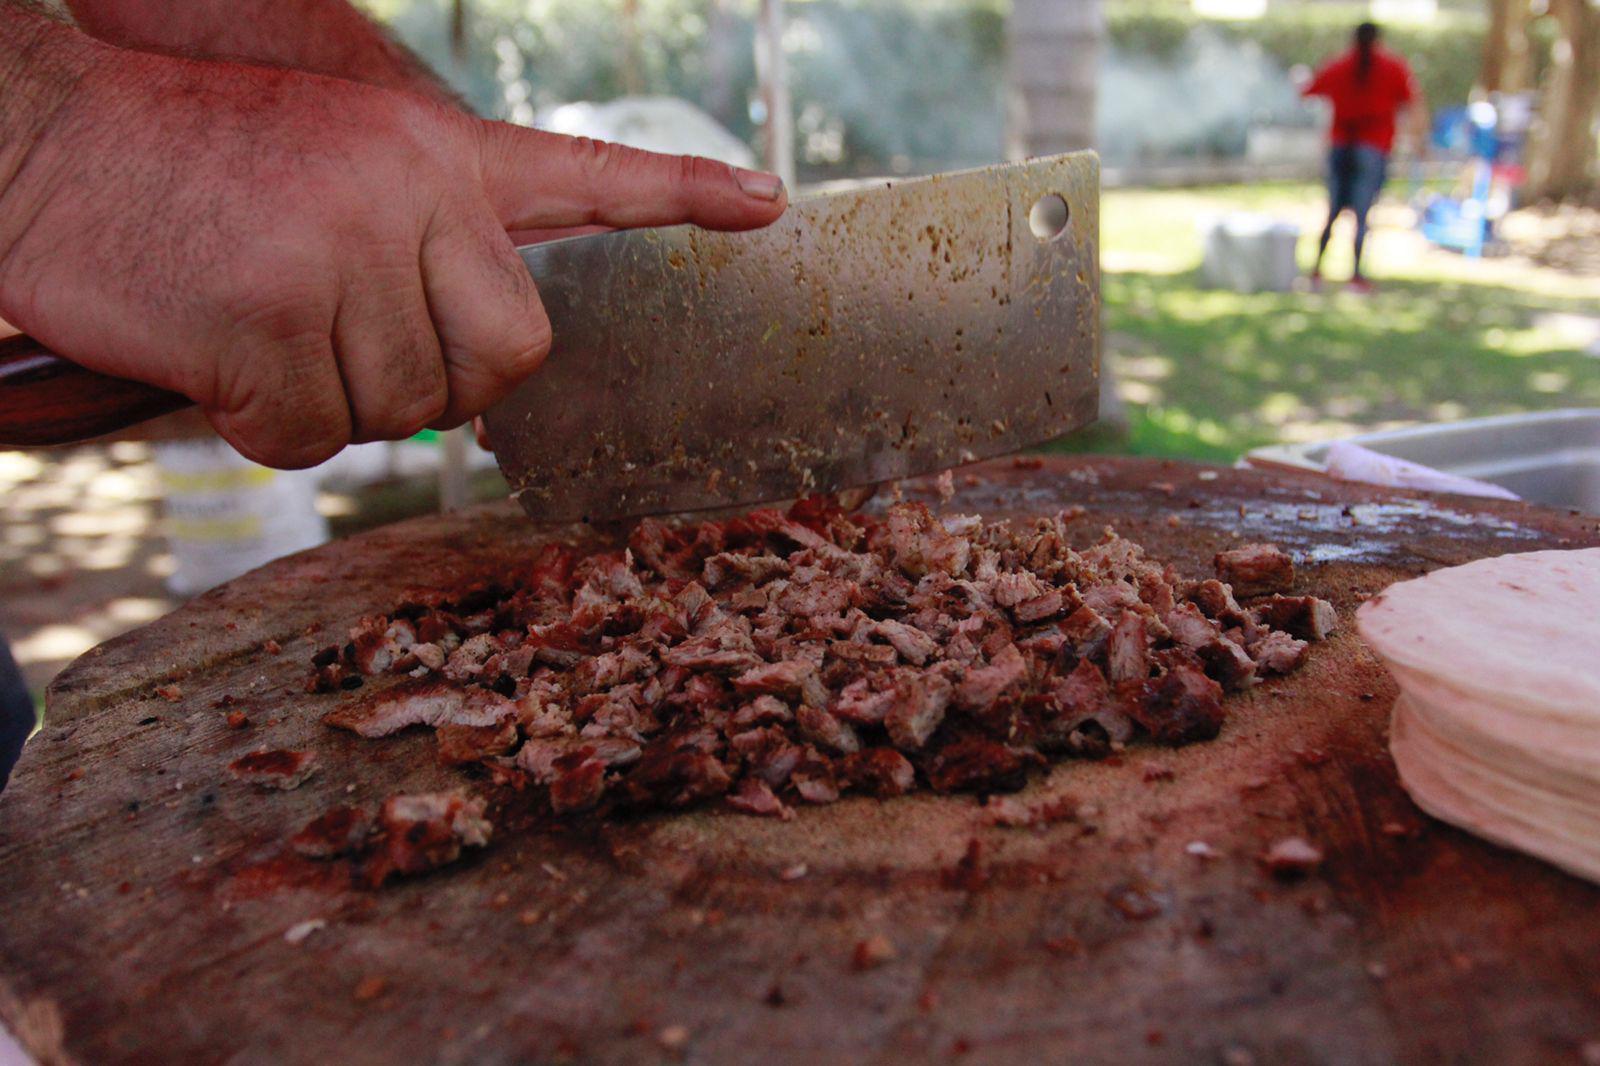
(1485, 250)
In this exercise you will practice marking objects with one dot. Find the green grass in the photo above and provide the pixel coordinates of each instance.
(1210, 374)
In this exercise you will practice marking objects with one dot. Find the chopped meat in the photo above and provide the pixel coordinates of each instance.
(795, 678)
(977, 764)
(552, 569)
(466, 662)
(1047, 604)
(336, 832)
(781, 658)
(1013, 813)
(1227, 663)
(1279, 653)
(1224, 659)
(1109, 598)
(919, 544)
(459, 745)
(1086, 630)
(819, 595)
(1078, 715)
(1155, 590)
(768, 754)
(914, 646)
(419, 701)
(983, 687)
(1191, 628)
(755, 796)
(725, 568)
(1128, 649)
(425, 830)
(274, 769)
(1291, 857)
(542, 759)
(814, 779)
(627, 663)
(703, 654)
(1013, 588)
(862, 703)
(827, 732)
(918, 703)
(874, 951)
(763, 710)
(428, 656)
(376, 642)
(610, 579)
(1181, 706)
(880, 771)
(1255, 569)
(1305, 617)
(1216, 601)
(849, 651)
(672, 774)
(577, 782)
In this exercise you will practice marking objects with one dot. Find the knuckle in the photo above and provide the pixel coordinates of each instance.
(269, 446)
(421, 412)
(524, 337)
(698, 170)
(299, 456)
(526, 348)
(599, 159)
(279, 402)
(276, 310)
(524, 360)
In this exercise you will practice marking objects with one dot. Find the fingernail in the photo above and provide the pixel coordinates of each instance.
(759, 185)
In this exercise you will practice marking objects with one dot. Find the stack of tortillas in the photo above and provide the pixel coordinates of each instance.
(1497, 726)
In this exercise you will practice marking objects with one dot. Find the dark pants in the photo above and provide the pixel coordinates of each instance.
(1356, 173)
(16, 712)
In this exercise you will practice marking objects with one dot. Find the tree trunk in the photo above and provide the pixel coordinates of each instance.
(772, 72)
(1053, 58)
(458, 30)
(1563, 160)
(721, 37)
(632, 76)
(1506, 66)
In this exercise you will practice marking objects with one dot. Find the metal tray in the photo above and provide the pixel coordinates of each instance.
(1549, 457)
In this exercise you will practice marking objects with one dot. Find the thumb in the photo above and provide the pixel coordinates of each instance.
(540, 180)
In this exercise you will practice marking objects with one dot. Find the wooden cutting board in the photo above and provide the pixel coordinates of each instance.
(147, 895)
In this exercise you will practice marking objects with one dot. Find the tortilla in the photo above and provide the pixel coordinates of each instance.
(1497, 728)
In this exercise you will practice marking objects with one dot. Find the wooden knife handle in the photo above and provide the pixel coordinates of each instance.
(45, 399)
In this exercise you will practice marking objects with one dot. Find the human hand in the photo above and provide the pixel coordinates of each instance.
(312, 261)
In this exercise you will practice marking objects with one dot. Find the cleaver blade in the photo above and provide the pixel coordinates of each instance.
(866, 335)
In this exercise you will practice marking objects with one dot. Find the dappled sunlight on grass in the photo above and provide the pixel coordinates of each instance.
(1275, 366)
(1211, 374)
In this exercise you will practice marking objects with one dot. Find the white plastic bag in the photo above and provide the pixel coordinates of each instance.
(1352, 462)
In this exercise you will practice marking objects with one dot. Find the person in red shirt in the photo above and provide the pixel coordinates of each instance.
(1368, 86)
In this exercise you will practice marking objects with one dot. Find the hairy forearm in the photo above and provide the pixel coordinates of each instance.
(320, 36)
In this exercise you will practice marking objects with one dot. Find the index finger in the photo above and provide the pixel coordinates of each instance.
(540, 180)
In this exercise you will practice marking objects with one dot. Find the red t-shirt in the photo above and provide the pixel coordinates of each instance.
(1364, 108)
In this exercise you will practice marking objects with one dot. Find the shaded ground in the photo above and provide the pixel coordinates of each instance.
(80, 558)
(82, 554)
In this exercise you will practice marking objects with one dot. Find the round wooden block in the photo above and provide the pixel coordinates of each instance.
(148, 894)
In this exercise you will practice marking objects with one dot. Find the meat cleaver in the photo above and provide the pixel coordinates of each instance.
(890, 330)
